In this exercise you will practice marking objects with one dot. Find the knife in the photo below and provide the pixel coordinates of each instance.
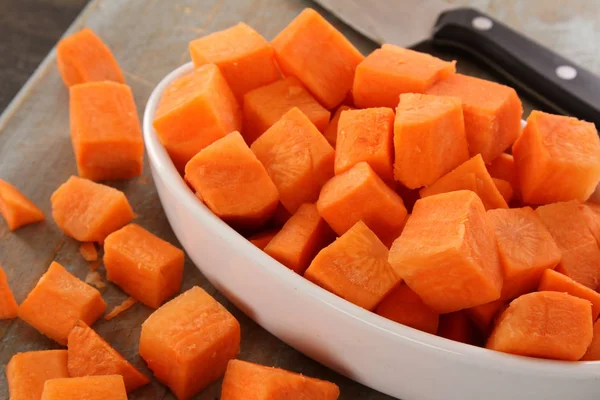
(563, 85)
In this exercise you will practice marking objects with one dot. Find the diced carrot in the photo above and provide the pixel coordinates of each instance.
(297, 157)
(456, 326)
(312, 50)
(330, 132)
(9, 308)
(91, 355)
(88, 251)
(188, 342)
(503, 167)
(567, 223)
(89, 211)
(266, 105)
(83, 57)
(359, 194)
(355, 267)
(146, 267)
(105, 131)
(27, 372)
(245, 381)
(406, 307)
(492, 113)
(429, 138)
(526, 249)
(593, 351)
(505, 189)
(262, 239)
(470, 175)
(448, 254)
(120, 308)
(556, 282)
(194, 111)
(483, 316)
(58, 301)
(592, 213)
(85, 388)
(388, 72)
(244, 57)
(302, 236)
(232, 182)
(16, 209)
(545, 325)
(366, 135)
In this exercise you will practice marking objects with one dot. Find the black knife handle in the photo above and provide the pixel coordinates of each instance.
(569, 86)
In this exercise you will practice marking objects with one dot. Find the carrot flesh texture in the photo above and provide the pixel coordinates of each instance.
(120, 308)
(9, 308)
(593, 351)
(331, 130)
(312, 50)
(505, 189)
(16, 209)
(406, 307)
(456, 326)
(483, 316)
(545, 325)
(89, 388)
(447, 253)
(503, 167)
(88, 251)
(556, 282)
(262, 239)
(355, 268)
(592, 213)
(188, 342)
(247, 381)
(27, 372)
(557, 159)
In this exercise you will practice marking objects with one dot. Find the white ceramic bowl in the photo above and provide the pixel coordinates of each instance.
(386, 356)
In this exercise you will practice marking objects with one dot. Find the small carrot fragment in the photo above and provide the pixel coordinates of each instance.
(8, 306)
(503, 167)
(330, 132)
(262, 239)
(88, 251)
(95, 279)
(16, 209)
(118, 309)
(406, 307)
(94, 265)
(504, 188)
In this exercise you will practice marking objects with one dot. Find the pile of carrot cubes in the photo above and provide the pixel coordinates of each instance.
(389, 180)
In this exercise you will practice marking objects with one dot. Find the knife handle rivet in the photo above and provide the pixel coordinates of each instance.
(566, 72)
(482, 23)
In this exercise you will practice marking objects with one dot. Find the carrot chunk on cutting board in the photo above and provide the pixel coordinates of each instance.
(16, 209)
(593, 351)
(470, 175)
(244, 57)
(503, 167)
(355, 268)
(85, 388)
(366, 135)
(89, 355)
(492, 113)
(8, 306)
(557, 159)
(312, 50)
(27, 372)
(505, 189)
(483, 316)
(567, 223)
(297, 157)
(456, 326)
(194, 111)
(105, 131)
(247, 381)
(58, 301)
(545, 325)
(388, 72)
(232, 182)
(447, 253)
(83, 57)
(429, 138)
(146, 267)
(266, 105)
(89, 211)
(302, 236)
(330, 132)
(556, 282)
(88, 251)
(406, 307)
(526, 249)
(262, 239)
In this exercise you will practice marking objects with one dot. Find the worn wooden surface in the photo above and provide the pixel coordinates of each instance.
(149, 38)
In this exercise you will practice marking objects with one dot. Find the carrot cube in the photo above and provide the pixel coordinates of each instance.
(146, 267)
(556, 282)
(429, 138)
(232, 182)
(526, 249)
(483, 316)
(89, 211)
(447, 253)
(8, 306)
(406, 307)
(244, 380)
(456, 326)
(331, 130)
(16, 209)
(503, 167)
(194, 111)
(58, 301)
(388, 72)
(83, 57)
(545, 325)
(297, 157)
(557, 159)
(27, 372)
(89, 388)
(470, 175)
(312, 50)
(266, 105)
(593, 351)
(262, 239)
(244, 57)
(504, 188)
(492, 113)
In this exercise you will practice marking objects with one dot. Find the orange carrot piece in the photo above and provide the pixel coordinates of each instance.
(593, 351)
(545, 325)
(592, 213)
(556, 282)
(188, 342)
(88, 251)
(27, 372)
(9, 308)
(95, 279)
(492, 113)
(262, 239)
(312, 50)
(244, 381)
(355, 268)
(58, 301)
(16, 209)
(456, 326)
(94, 265)
(406, 307)
(504, 188)
(88, 387)
(448, 254)
(503, 167)
(297, 157)
(330, 132)
(83, 57)
(194, 111)
(483, 316)
(120, 308)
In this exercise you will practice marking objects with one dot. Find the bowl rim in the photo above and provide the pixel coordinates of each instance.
(162, 164)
